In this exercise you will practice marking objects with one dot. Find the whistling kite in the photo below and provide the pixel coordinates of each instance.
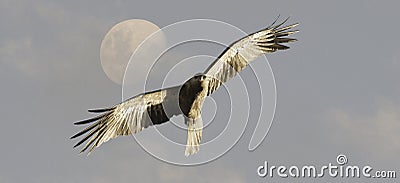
(157, 107)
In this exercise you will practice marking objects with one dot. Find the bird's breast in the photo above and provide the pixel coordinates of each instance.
(191, 98)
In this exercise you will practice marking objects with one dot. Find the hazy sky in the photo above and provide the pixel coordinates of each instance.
(338, 89)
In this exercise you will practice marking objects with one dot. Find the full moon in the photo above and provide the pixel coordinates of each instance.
(121, 41)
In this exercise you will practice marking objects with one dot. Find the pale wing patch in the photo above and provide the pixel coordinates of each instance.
(239, 54)
(123, 119)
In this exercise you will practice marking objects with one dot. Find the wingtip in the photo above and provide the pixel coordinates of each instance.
(82, 122)
(90, 120)
(273, 23)
(295, 24)
(76, 145)
(273, 26)
(285, 40)
(293, 40)
(100, 110)
(79, 123)
(77, 135)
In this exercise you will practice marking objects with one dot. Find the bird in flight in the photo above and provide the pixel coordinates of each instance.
(157, 107)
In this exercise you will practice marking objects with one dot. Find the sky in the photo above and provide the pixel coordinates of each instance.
(337, 90)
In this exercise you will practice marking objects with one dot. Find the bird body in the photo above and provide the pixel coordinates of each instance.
(157, 107)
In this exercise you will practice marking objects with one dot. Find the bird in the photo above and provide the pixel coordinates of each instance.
(157, 107)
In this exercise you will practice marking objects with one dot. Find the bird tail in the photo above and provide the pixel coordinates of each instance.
(195, 131)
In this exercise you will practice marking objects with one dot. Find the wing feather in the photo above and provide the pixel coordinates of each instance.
(235, 58)
(130, 116)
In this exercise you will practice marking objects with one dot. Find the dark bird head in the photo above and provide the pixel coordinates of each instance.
(199, 77)
(189, 91)
(195, 83)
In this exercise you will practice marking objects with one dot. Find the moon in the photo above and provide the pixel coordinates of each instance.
(121, 41)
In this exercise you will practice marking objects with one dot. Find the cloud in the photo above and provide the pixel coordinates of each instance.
(376, 132)
(17, 54)
(215, 173)
(47, 40)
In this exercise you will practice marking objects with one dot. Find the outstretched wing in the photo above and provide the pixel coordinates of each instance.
(130, 116)
(237, 56)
